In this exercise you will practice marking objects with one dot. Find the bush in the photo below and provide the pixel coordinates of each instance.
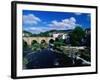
(34, 42)
(25, 45)
(86, 54)
(43, 44)
(36, 47)
(25, 61)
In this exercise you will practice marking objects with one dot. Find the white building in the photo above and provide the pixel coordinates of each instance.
(63, 36)
(55, 35)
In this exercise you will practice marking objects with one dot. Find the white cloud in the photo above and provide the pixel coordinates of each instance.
(37, 29)
(78, 13)
(30, 19)
(89, 15)
(69, 23)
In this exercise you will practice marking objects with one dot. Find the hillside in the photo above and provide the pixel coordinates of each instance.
(46, 34)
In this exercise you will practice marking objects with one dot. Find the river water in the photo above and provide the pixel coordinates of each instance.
(49, 59)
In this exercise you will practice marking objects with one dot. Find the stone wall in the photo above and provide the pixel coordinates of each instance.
(38, 39)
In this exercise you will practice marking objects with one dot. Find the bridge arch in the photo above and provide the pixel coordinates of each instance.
(25, 45)
(33, 42)
(38, 39)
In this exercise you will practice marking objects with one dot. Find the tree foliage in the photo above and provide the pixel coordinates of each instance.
(43, 44)
(33, 42)
(76, 36)
(25, 45)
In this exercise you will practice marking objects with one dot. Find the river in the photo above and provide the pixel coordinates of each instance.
(49, 59)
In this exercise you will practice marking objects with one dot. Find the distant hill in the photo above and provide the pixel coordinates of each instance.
(51, 32)
(61, 31)
(46, 34)
(27, 33)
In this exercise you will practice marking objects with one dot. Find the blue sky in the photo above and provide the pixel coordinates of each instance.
(41, 21)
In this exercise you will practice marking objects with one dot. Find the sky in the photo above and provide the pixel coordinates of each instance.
(41, 21)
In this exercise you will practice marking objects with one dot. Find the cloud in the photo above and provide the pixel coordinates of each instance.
(36, 29)
(64, 24)
(78, 13)
(69, 23)
(30, 19)
(89, 15)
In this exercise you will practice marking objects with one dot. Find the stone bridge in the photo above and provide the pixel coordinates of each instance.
(38, 39)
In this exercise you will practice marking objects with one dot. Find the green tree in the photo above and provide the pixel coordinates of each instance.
(76, 36)
(35, 45)
(33, 42)
(43, 44)
(51, 41)
(25, 44)
(25, 61)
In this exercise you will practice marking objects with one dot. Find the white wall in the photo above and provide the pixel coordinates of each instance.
(5, 43)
